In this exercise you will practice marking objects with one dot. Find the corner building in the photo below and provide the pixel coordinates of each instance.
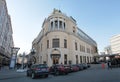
(61, 41)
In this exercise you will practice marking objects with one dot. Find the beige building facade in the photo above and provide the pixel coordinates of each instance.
(115, 44)
(6, 33)
(61, 41)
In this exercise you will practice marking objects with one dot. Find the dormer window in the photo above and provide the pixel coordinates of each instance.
(57, 24)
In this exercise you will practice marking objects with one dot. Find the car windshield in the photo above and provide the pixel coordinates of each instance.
(40, 66)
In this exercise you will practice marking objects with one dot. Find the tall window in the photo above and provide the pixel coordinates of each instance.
(65, 59)
(64, 25)
(75, 45)
(60, 22)
(51, 25)
(80, 59)
(65, 43)
(56, 24)
(55, 43)
(76, 59)
(47, 43)
(88, 50)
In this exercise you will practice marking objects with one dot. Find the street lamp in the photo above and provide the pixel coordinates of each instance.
(14, 51)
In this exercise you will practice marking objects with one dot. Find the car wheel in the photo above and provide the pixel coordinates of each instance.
(33, 76)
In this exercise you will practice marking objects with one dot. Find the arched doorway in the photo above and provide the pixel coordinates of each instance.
(55, 56)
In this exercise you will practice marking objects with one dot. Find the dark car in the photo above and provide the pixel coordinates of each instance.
(58, 69)
(38, 70)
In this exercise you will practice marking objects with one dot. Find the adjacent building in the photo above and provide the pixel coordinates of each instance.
(108, 50)
(6, 38)
(115, 44)
(61, 41)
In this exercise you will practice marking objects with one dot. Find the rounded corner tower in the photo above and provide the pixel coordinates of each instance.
(61, 41)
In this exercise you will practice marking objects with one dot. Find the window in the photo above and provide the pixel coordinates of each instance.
(56, 24)
(60, 22)
(64, 25)
(88, 50)
(47, 43)
(80, 59)
(75, 45)
(65, 59)
(73, 29)
(55, 43)
(51, 24)
(76, 59)
(80, 47)
(65, 43)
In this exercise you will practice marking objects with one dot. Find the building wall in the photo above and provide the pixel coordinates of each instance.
(66, 29)
(115, 44)
(108, 50)
(6, 38)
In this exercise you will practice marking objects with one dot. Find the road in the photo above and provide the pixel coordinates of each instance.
(93, 74)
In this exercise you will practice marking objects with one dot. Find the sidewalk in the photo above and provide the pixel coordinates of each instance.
(6, 73)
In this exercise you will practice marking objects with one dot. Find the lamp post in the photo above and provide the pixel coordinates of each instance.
(14, 51)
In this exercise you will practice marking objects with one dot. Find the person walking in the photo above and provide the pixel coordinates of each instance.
(109, 65)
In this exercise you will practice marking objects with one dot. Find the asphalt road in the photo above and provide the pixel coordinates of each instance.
(93, 74)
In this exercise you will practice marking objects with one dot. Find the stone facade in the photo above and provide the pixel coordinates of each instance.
(6, 38)
(61, 41)
(115, 44)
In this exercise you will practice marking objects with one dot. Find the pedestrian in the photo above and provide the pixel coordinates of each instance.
(109, 65)
(103, 65)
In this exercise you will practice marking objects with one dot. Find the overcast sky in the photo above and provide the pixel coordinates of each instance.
(100, 19)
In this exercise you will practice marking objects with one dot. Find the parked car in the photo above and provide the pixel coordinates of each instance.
(68, 68)
(80, 66)
(58, 69)
(74, 68)
(38, 70)
(85, 66)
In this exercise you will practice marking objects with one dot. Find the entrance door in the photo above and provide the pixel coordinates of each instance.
(55, 58)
